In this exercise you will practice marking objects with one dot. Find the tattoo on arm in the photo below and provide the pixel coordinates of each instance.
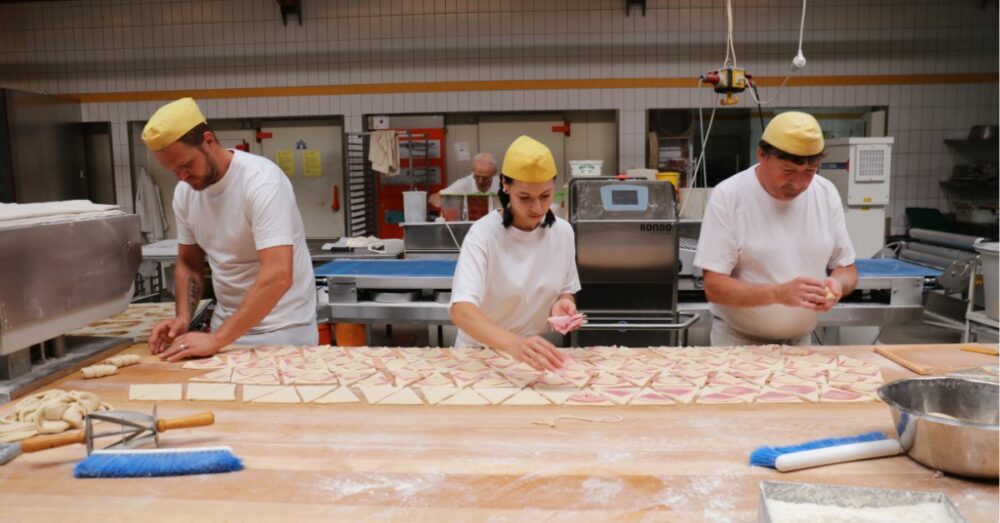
(194, 296)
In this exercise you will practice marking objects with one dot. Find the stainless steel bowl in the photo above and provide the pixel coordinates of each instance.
(948, 424)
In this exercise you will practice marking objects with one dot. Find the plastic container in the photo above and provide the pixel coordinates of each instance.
(477, 206)
(349, 334)
(451, 207)
(325, 334)
(585, 167)
(415, 206)
(673, 177)
(989, 253)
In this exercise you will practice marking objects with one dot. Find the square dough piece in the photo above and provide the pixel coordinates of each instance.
(211, 391)
(156, 392)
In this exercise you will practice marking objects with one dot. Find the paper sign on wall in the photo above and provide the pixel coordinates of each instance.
(286, 161)
(462, 153)
(311, 163)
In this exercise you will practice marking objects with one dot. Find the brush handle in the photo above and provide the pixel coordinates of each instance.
(195, 420)
(837, 454)
(50, 442)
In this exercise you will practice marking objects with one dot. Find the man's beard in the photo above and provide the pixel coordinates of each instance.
(213, 171)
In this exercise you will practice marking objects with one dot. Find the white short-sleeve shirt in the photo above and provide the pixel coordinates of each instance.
(515, 276)
(251, 208)
(753, 237)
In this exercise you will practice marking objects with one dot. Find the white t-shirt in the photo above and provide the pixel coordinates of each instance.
(467, 185)
(251, 208)
(756, 238)
(514, 276)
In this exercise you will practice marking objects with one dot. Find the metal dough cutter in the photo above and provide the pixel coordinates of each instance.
(134, 429)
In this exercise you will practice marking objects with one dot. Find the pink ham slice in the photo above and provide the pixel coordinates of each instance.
(840, 395)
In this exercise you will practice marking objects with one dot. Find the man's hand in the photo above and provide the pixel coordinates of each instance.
(834, 294)
(164, 334)
(537, 352)
(563, 307)
(804, 292)
(192, 344)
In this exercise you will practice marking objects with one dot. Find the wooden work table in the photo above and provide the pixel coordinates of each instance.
(440, 463)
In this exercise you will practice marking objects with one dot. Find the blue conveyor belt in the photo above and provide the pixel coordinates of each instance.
(890, 267)
(874, 268)
(388, 268)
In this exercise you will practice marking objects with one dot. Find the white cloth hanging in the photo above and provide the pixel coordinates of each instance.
(383, 152)
(149, 207)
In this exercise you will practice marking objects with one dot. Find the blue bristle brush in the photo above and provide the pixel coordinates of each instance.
(145, 463)
(825, 452)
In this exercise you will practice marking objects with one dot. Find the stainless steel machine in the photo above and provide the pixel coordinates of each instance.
(627, 254)
(60, 274)
(434, 240)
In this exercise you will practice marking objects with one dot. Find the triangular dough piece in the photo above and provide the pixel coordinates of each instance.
(375, 393)
(651, 397)
(520, 378)
(620, 395)
(466, 397)
(350, 377)
(808, 391)
(435, 395)
(527, 397)
(405, 396)
(252, 392)
(310, 393)
(218, 376)
(339, 395)
(309, 377)
(464, 379)
(211, 392)
(215, 362)
(557, 396)
(769, 395)
(683, 395)
(282, 395)
(156, 392)
(496, 395)
(588, 398)
(436, 379)
(404, 377)
(835, 395)
(492, 380)
(375, 380)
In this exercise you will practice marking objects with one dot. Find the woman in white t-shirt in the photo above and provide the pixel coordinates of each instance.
(518, 265)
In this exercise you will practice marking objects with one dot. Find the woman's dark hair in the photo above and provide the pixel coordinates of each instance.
(508, 216)
(770, 150)
(196, 136)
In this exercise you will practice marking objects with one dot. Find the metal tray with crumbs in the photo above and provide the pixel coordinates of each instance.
(870, 501)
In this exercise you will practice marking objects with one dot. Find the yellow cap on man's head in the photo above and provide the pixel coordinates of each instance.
(528, 160)
(170, 122)
(795, 133)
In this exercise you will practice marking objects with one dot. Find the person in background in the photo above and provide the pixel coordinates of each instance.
(238, 211)
(517, 266)
(483, 179)
(774, 245)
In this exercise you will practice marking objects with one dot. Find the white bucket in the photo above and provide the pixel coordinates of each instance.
(586, 167)
(989, 254)
(415, 206)
(692, 203)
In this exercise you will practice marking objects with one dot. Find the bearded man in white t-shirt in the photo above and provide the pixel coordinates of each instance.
(237, 211)
(774, 245)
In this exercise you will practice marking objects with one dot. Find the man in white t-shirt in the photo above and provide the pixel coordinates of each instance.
(483, 179)
(774, 246)
(238, 211)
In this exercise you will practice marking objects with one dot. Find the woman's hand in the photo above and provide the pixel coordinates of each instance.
(537, 352)
(563, 307)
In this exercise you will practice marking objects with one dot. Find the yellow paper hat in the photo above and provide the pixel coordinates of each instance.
(170, 122)
(795, 133)
(528, 160)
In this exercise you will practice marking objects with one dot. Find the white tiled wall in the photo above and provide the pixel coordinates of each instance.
(90, 46)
